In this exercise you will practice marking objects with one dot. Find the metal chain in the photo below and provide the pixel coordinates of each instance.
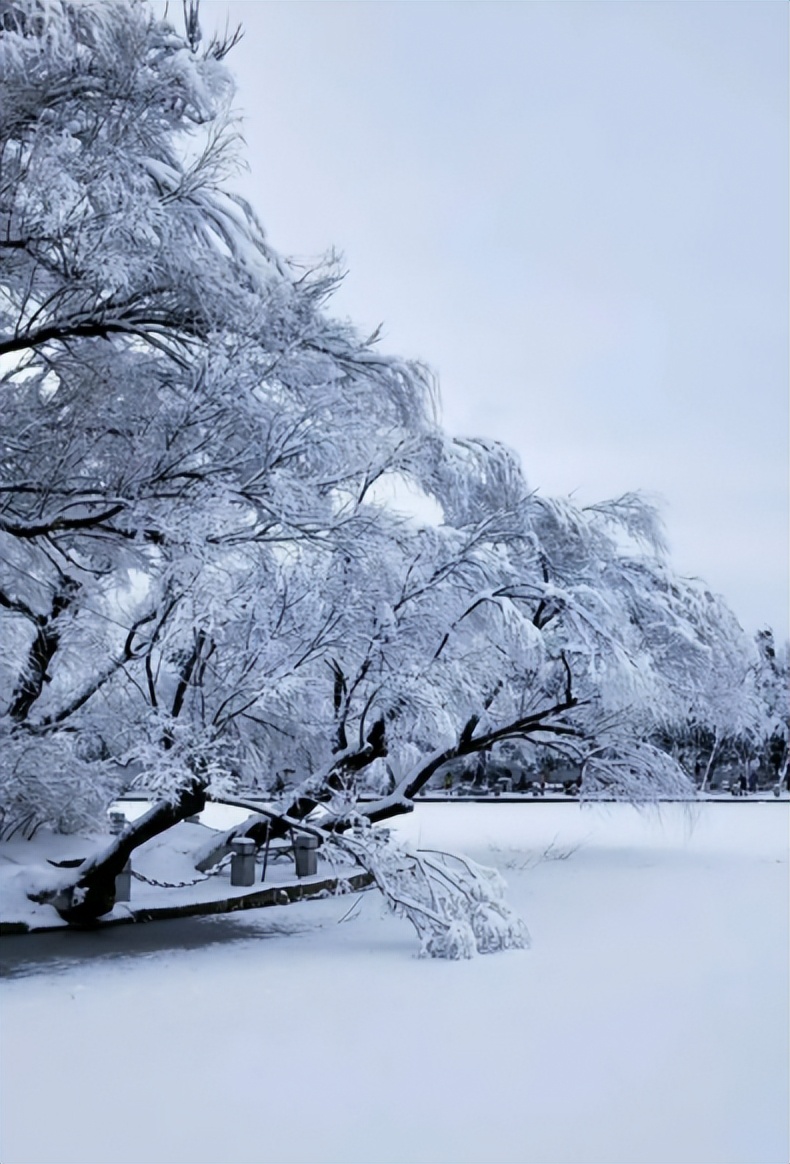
(183, 884)
(167, 884)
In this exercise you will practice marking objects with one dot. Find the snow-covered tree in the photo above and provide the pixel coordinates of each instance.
(773, 689)
(735, 714)
(188, 438)
(527, 621)
(199, 583)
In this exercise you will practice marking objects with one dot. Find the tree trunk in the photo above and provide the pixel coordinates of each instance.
(92, 892)
(262, 828)
(710, 764)
(40, 655)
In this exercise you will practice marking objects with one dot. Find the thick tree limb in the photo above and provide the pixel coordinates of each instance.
(59, 524)
(90, 892)
(41, 653)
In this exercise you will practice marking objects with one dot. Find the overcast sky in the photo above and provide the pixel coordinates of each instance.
(577, 214)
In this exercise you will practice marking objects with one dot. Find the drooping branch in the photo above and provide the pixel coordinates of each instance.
(158, 330)
(274, 825)
(549, 721)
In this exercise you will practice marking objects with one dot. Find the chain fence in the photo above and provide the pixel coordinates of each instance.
(212, 872)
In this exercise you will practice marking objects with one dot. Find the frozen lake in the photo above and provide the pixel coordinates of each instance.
(648, 1024)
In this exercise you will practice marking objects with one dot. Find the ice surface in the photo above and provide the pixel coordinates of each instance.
(647, 1025)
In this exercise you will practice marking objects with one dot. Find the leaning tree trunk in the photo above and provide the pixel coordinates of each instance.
(90, 891)
(264, 827)
(710, 764)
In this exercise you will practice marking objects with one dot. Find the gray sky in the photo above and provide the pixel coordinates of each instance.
(577, 214)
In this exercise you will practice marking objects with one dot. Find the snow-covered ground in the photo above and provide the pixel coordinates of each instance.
(648, 1023)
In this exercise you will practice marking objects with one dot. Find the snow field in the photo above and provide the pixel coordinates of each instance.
(647, 1025)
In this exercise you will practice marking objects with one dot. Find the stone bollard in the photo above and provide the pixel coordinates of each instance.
(305, 855)
(123, 883)
(242, 865)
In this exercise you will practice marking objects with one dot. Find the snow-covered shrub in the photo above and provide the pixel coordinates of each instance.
(47, 782)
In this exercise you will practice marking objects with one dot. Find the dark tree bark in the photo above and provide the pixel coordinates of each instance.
(93, 892)
(42, 651)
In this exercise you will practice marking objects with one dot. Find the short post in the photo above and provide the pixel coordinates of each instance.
(305, 855)
(242, 863)
(123, 883)
(266, 850)
(117, 823)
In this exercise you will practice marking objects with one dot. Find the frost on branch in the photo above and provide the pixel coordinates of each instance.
(456, 906)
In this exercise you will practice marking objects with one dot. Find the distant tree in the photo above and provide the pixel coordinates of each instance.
(739, 714)
(773, 688)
